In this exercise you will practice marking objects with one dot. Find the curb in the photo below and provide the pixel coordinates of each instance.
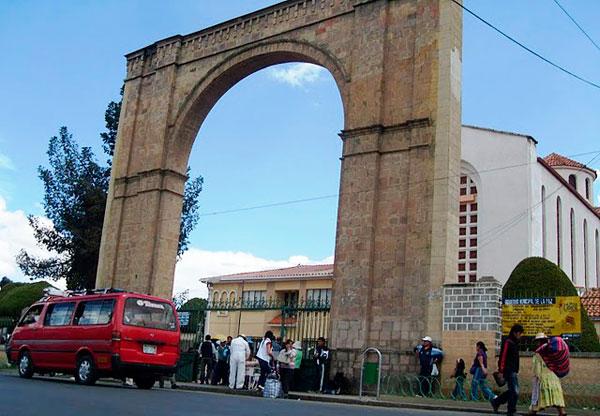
(442, 407)
(340, 400)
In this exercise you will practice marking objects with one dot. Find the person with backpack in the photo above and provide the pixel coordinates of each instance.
(208, 353)
(546, 388)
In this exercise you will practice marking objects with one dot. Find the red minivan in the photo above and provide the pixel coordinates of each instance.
(102, 333)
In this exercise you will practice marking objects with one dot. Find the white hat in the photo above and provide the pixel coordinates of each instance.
(243, 336)
(540, 335)
(428, 339)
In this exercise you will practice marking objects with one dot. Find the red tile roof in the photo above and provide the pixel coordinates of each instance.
(290, 320)
(591, 302)
(288, 273)
(554, 159)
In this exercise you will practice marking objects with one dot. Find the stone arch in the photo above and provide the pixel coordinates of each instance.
(397, 65)
(231, 70)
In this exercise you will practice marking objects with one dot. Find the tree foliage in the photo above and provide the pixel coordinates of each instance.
(5, 281)
(536, 276)
(75, 193)
(75, 188)
(14, 297)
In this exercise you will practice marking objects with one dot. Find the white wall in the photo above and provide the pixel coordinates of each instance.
(509, 181)
(504, 164)
(555, 189)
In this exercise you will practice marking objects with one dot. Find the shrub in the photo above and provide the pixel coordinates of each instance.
(16, 296)
(538, 277)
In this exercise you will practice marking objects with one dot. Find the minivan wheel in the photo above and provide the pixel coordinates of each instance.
(85, 371)
(25, 365)
(144, 383)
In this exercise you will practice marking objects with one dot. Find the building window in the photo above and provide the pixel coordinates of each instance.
(318, 297)
(585, 253)
(573, 260)
(232, 298)
(215, 296)
(544, 221)
(573, 181)
(468, 230)
(588, 189)
(254, 298)
(558, 232)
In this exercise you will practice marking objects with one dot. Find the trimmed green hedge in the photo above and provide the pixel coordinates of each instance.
(536, 276)
(14, 297)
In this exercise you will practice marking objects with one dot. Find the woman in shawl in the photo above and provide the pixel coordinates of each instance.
(546, 388)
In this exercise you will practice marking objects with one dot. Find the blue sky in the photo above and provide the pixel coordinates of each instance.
(273, 137)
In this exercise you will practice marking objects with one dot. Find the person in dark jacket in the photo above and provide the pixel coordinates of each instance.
(322, 359)
(508, 365)
(208, 354)
(428, 357)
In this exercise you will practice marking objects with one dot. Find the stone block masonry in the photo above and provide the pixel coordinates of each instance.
(397, 64)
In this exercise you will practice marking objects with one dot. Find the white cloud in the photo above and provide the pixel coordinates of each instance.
(197, 263)
(297, 75)
(16, 234)
(6, 163)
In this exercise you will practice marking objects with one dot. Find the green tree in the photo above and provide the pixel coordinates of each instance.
(538, 277)
(75, 193)
(5, 281)
(75, 188)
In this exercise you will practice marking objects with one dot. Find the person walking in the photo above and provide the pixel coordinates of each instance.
(208, 353)
(428, 357)
(239, 353)
(287, 363)
(265, 357)
(508, 366)
(546, 388)
(479, 370)
(459, 380)
(321, 358)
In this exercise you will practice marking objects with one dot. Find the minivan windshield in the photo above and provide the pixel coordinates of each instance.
(149, 314)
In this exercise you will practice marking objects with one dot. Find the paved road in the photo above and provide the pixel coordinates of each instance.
(48, 397)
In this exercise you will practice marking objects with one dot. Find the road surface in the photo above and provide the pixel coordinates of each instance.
(53, 396)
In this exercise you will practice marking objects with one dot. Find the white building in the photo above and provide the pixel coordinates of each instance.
(515, 204)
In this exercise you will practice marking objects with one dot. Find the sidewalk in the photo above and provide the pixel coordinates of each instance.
(400, 402)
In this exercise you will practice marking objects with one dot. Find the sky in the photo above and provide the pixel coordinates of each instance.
(273, 136)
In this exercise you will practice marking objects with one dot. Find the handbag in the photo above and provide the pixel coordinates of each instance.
(499, 378)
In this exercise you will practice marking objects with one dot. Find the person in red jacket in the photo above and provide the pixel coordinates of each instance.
(508, 365)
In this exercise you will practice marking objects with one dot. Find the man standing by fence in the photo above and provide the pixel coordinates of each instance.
(321, 358)
(208, 354)
(240, 352)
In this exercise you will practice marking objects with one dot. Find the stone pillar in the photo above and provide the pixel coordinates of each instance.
(397, 231)
(472, 312)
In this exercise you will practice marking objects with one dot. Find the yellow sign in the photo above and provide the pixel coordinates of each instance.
(552, 316)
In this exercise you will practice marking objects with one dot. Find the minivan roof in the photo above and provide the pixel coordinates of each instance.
(94, 294)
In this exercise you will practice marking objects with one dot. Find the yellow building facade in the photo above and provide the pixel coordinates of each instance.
(253, 303)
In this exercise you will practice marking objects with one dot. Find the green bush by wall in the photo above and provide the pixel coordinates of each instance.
(538, 277)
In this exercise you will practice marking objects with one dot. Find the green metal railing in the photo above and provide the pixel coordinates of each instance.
(576, 395)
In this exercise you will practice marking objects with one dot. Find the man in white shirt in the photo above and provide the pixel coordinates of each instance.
(240, 352)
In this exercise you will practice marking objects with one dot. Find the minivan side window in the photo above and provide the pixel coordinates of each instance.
(149, 314)
(94, 312)
(32, 315)
(59, 314)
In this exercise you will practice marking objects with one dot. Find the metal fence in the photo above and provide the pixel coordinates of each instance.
(576, 395)
(302, 321)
